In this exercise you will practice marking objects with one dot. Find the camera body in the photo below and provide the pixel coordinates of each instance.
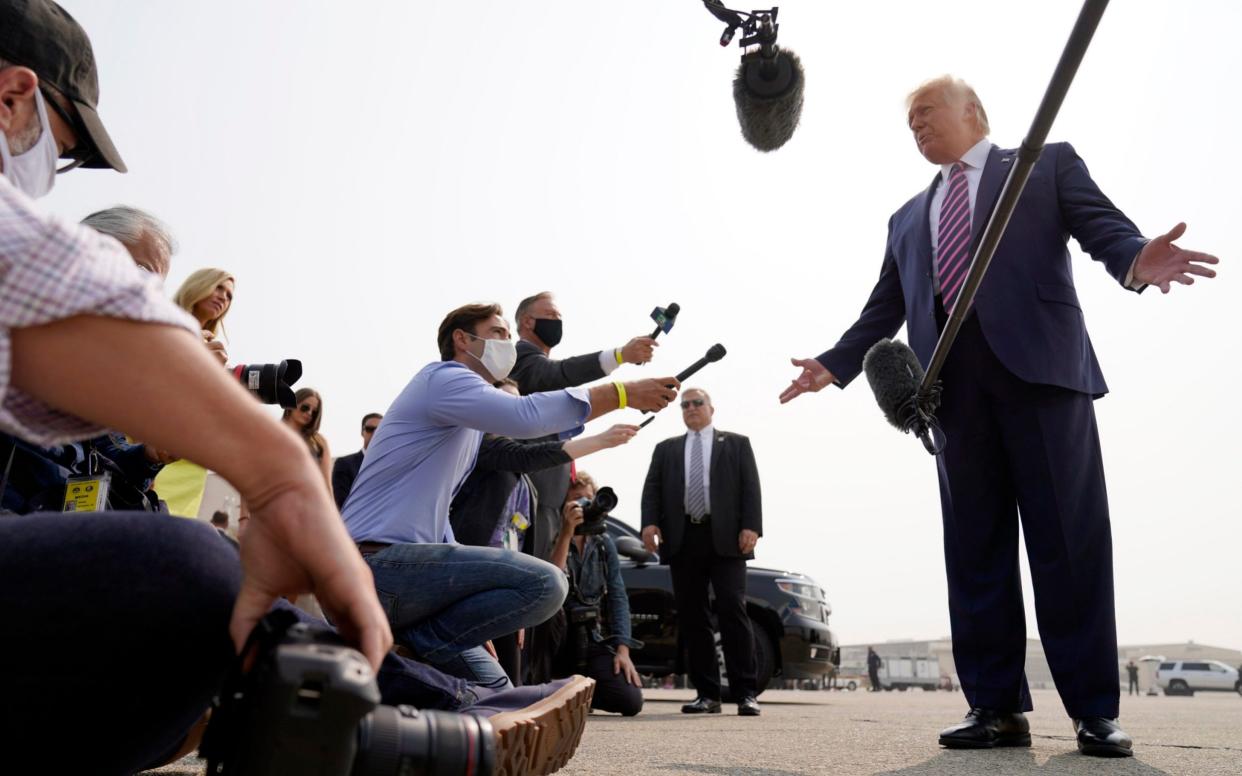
(594, 510)
(582, 621)
(310, 706)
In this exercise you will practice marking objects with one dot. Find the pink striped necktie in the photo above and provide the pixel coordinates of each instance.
(953, 247)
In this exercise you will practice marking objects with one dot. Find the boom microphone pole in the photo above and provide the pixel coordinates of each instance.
(714, 353)
(909, 397)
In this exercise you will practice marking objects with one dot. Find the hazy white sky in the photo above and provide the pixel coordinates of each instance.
(364, 167)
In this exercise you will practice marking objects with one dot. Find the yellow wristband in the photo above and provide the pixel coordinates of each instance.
(621, 401)
(620, 359)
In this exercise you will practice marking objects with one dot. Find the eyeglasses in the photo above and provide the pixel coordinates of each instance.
(80, 153)
(688, 403)
(369, 429)
(309, 410)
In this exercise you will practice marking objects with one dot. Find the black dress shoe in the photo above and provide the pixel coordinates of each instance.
(748, 707)
(985, 729)
(1100, 737)
(701, 705)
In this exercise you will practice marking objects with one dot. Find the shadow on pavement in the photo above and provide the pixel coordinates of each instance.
(726, 771)
(1024, 761)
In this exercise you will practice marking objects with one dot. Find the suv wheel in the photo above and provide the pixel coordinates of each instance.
(765, 663)
(1179, 687)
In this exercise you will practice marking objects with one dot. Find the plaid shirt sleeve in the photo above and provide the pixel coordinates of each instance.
(52, 269)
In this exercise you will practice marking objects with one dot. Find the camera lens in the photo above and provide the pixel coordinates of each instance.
(403, 741)
(270, 382)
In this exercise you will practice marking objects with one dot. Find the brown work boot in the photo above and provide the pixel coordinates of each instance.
(538, 738)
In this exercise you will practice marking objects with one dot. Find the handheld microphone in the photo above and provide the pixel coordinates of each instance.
(664, 317)
(895, 375)
(714, 353)
(769, 83)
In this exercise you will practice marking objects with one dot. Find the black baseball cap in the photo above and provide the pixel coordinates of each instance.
(42, 36)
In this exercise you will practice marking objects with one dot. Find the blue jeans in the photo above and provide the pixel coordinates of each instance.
(445, 600)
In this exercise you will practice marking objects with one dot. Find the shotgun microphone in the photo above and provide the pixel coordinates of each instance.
(664, 317)
(895, 375)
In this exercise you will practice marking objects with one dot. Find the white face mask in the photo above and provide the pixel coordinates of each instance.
(499, 356)
(34, 171)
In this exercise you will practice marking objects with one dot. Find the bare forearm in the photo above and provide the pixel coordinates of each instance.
(577, 448)
(560, 551)
(604, 399)
(159, 384)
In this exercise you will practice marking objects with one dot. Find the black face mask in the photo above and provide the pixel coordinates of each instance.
(548, 330)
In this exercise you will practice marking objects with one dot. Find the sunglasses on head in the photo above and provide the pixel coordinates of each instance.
(688, 403)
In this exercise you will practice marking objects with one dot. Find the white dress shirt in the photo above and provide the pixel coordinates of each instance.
(706, 434)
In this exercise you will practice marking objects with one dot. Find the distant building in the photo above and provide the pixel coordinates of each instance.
(920, 657)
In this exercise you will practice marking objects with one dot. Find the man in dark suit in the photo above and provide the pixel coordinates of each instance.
(345, 469)
(539, 327)
(1017, 411)
(701, 502)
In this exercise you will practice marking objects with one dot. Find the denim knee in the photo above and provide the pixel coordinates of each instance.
(554, 587)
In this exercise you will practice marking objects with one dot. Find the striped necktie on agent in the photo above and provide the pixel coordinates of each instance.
(696, 498)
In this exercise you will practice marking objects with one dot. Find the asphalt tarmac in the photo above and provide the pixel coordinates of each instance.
(890, 734)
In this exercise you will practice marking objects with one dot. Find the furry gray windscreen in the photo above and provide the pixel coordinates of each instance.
(894, 373)
(768, 119)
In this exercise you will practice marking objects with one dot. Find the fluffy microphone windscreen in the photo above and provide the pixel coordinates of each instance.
(769, 104)
(894, 373)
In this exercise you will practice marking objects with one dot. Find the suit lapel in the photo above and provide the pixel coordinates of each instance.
(922, 242)
(717, 443)
(995, 170)
(679, 468)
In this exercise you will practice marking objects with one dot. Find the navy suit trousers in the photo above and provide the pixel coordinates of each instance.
(1030, 453)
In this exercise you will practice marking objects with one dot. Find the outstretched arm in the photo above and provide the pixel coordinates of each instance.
(161, 385)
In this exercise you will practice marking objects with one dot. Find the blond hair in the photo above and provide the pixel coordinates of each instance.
(583, 480)
(198, 286)
(953, 90)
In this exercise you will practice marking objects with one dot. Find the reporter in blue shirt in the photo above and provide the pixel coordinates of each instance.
(444, 600)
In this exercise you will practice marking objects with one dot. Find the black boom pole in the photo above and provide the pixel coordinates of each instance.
(1028, 154)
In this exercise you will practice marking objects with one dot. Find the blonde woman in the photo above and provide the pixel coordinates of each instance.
(207, 294)
(303, 418)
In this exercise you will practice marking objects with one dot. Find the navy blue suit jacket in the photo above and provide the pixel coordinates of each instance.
(1027, 306)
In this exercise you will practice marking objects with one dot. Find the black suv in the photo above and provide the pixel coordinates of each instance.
(788, 610)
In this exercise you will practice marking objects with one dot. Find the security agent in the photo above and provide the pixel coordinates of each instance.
(345, 469)
(701, 502)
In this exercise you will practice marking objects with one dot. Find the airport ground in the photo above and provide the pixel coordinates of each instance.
(888, 734)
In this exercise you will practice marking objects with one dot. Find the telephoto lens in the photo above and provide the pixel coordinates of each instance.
(270, 383)
(403, 741)
(594, 511)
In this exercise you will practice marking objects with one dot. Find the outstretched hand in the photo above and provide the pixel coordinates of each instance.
(814, 377)
(1161, 263)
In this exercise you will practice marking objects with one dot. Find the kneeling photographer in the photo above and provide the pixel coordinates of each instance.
(597, 612)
